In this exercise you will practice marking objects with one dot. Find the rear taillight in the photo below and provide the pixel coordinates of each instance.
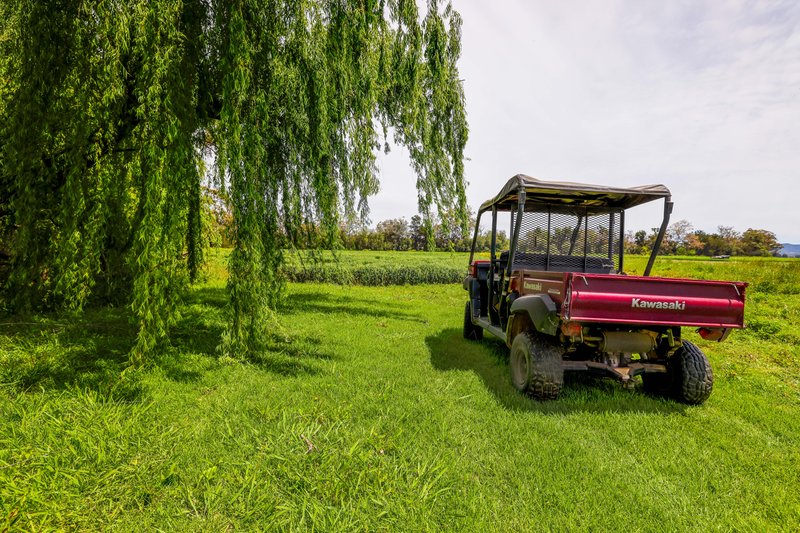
(513, 285)
(473, 268)
(711, 334)
(571, 329)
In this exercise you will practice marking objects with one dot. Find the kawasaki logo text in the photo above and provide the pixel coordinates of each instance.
(645, 304)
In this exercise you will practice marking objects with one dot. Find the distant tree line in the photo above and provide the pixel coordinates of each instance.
(402, 235)
(682, 238)
(444, 233)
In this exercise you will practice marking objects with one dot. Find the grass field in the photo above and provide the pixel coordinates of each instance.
(378, 268)
(371, 412)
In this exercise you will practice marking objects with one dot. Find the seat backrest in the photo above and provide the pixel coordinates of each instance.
(558, 263)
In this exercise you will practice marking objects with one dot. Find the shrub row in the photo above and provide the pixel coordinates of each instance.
(375, 275)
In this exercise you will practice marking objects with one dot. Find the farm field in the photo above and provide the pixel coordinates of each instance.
(378, 268)
(370, 411)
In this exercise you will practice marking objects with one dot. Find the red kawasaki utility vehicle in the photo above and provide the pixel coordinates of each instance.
(560, 300)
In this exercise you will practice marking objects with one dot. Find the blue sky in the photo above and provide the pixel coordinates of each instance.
(703, 97)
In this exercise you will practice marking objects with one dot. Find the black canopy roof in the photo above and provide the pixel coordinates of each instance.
(568, 194)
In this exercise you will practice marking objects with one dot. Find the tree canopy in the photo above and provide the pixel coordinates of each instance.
(683, 239)
(110, 112)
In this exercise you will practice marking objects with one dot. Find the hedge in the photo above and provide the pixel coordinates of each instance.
(375, 275)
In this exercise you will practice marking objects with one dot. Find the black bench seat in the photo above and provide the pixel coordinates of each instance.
(559, 263)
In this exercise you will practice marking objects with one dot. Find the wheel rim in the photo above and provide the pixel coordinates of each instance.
(520, 366)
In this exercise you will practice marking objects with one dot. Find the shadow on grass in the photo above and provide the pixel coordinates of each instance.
(329, 304)
(216, 297)
(200, 331)
(581, 393)
(91, 350)
(292, 357)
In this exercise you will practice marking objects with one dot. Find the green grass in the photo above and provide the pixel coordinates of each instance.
(378, 268)
(370, 258)
(371, 412)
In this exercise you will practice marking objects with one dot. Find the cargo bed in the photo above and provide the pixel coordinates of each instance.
(660, 301)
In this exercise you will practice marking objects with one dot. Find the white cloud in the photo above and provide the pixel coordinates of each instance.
(701, 96)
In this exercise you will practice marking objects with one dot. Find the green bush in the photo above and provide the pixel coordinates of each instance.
(374, 275)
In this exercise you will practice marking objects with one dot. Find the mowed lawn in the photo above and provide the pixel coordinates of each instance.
(371, 412)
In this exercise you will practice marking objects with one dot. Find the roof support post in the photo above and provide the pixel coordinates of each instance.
(475, 236)
(575, 235)
(547, 250)
(492, 251)
(515, 236)
(660, 236)
(621, 240)
(585, 240)
(492, 264)
(611, 236)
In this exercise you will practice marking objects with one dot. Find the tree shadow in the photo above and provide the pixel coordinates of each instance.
(216, 297)
(488, 359)
(92, 350)
(291, 357)
(329, 304)
(198, 330)
(89, 351)
(199, 333)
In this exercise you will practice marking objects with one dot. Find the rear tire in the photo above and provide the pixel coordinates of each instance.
(693, 379)
(689, 378)
(536, 366)
(471, 331)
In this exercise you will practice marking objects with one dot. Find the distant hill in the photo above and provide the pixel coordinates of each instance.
(792, 250)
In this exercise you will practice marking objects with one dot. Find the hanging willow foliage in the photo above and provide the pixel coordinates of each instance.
(109, 110)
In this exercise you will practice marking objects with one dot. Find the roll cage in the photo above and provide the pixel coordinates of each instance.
(556, 217)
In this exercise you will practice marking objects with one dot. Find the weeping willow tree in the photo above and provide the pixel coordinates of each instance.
(111, 110)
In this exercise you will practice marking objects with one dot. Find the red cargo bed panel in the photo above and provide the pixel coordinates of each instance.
(657, 301)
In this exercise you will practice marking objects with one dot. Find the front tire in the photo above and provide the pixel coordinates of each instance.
(471, 331)
(536, 366)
